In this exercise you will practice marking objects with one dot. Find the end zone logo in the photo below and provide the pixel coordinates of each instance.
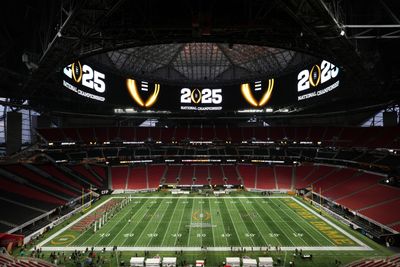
(144, 88)
(265, 97)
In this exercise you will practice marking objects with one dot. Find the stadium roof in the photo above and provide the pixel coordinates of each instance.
(198, 41)
(206, 62)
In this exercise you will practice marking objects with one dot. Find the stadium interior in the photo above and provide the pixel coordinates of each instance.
(257, 117)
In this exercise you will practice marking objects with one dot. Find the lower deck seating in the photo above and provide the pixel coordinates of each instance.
(283, 176)
(119, 176)
(248, 174)
(186, 175)
(137, 178)
(265, 178)
(201, 173)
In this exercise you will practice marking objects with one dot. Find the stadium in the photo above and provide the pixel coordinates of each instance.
(200, 133)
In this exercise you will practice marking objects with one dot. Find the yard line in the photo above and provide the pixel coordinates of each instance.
(190, 228)
(333, 225)
(290, 225)
(109, 228)
(160, 249)
(144, 230)
(308, 224)
(201, 228)
(266, 224)
(138, 213)
(210, 197)
(211, 221)
(228, 221)
(251, 238)
(258, 229)
(140, 218)
(126, 224)
(282, 231)
(234, 225)
(180, 222)
(220, 219)
(169, 223)
(71, 224)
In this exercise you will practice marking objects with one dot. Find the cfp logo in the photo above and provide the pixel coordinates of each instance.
(134, 92)
(85, 75)
(248, 95)
(201, 96)
(317, 75)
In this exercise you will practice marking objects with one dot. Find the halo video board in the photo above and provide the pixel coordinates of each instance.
(129, 94)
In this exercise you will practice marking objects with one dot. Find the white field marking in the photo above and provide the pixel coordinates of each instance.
(304, 230)
(289, 225)
(149, 223)
(284, 260)
(122, 228)
(258, 229)
(190, 228)
(112, 226)
(69, 225)
(308, 249)
(220, 197)
(283, 232)
(234, 225)
(363, 247)
(313, 229)
(141, 213)
(334, 226)
(211, 221)
(180, 222)
(201, 215)
(219, 218)
(266, 225)
(169, 223)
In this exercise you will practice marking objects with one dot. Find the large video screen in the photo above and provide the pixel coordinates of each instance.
(128, 94)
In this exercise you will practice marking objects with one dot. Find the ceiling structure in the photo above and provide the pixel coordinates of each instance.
(199, 62)
(199, 41)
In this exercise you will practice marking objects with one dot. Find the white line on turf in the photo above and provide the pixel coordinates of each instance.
(258, 229)
(69, 225)
(280, 228)
(362, 246)
(234, 227)
(267, 226)
(190, 228)
(180, 222)
(208, 248)
(169, 223)
(140, 214)
(220, 197)
(334, 225)
(304, 230)
(150, 223)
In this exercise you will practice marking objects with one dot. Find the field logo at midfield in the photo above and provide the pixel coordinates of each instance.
(63, 239)
(201, 216)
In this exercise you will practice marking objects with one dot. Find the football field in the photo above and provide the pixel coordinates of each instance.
(206, 223)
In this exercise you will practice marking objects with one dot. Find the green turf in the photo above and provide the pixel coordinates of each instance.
(209, 222)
